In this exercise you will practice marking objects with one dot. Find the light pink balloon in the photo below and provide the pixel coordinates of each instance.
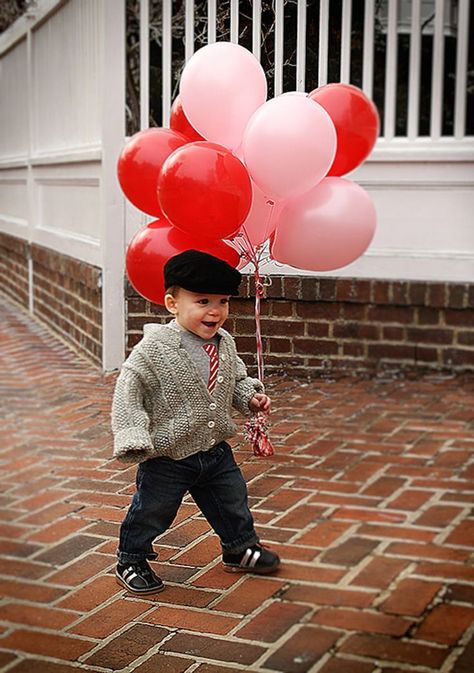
(221, 87)
(289, 145)
(262, 218)
(327, 228)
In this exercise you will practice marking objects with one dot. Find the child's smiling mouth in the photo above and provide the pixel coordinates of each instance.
(210, 324)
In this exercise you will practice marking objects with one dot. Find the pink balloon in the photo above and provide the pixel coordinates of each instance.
(262, 218)
(289, 145)
(221, 86)
(327, 228)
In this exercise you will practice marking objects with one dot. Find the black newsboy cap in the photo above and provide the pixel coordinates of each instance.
(202, 273)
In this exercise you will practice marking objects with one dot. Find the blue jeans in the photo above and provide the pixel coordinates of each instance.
(217, 486)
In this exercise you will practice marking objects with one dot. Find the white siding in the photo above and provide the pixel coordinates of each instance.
(14, 103)
(66, 79)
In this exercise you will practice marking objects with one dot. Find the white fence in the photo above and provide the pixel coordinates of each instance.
(62, 93)
(61, 128)
(421, 180)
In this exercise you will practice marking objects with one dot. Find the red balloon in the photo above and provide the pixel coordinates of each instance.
(356, 120)
(140, 162)
(179, 122)
(152, 247)
(204, 190)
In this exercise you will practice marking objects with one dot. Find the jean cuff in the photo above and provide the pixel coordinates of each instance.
(240, 545)
(123, 557)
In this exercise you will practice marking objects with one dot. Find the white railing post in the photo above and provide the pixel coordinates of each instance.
(189, 30)
(390, 100)
(166, 61)
(234, 21)
(437, 73)
(112, 212)
(323, 42)
(144, 64)
(279, 27)
(211, 21)
(256, 27)
(345, 73)
(368, 49)
(301, 46)
(414, 71)
(461, 69)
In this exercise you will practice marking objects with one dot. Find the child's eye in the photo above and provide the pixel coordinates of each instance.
(224, 301)
(203, 301)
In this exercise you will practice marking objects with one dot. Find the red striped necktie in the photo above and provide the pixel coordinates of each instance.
(211, 350)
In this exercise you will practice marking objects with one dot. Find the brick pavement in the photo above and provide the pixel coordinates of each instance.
(368, 500)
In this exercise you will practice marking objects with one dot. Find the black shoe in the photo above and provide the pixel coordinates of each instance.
(138, 578)
(255, 559)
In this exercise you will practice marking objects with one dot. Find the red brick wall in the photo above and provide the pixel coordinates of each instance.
(14, 268)
(316, 326)
(68, 297)
(310, 326)
(67, 293)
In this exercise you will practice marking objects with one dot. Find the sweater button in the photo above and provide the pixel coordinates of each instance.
(220, 379)
(211, 424)
(213, 406)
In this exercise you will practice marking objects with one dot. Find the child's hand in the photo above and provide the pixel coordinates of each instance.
(260, 402)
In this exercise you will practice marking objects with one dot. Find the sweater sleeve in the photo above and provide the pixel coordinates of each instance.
(245, 388)
(130, 421)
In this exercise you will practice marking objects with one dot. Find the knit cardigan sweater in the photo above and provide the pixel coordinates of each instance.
(161, 405)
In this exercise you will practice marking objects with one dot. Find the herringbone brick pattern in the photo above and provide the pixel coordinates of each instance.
(368, 500)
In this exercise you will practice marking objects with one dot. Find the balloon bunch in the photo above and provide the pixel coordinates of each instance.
(235, 170)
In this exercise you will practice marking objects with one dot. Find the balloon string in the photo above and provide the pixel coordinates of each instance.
(271, 205)
(254, 254)
(249, 250)
(258, 296)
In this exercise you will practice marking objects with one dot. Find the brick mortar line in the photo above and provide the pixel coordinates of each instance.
(353, 571)
(58, 330)
(118, 632)
(61, 499)
(450, 662)
(387, 664)
(289, 633)
(298, 533)
(27, 656)
(105, 603)
(200, 572)
(65, 297)
(45, 630)
(406, 573)
(225, 592)
(75, 587)
(445, 580)
(41, 302)
(303, 502)
(447, 530)
(248, 618)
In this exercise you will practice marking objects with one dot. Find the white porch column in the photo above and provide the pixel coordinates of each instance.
(112, 201)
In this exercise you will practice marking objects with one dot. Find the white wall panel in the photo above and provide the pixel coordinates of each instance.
(67, 201)
(69, 206)
(425, 222)
(13, 105)
(66, 78)
(14, 202)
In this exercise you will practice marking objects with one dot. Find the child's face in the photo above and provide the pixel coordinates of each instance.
(202, 314)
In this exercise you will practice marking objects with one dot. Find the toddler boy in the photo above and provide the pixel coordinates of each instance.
(171, 414)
